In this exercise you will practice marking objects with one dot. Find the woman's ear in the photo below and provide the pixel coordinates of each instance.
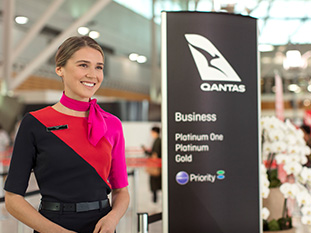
(59, 71)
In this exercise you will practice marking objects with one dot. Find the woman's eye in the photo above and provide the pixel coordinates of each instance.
(100, 67)
(83, 65)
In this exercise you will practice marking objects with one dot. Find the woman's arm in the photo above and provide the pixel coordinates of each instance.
(120, 202)
(26, 213)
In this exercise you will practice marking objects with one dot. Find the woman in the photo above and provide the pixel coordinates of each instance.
(76, 151)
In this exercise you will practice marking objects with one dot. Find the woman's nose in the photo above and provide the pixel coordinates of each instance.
(91, 74)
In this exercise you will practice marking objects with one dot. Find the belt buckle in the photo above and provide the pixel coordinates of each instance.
(69, 207)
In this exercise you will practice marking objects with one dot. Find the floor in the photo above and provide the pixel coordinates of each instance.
(140, 203)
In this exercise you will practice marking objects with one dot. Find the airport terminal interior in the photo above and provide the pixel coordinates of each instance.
(129, 33)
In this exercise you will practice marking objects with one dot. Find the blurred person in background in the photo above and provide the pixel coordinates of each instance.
(154, 172)
(4, 151)
(4, 140)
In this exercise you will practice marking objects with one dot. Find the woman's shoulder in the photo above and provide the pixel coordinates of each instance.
(43, 111)
(114, 126)
(111, 119)
(31, 117)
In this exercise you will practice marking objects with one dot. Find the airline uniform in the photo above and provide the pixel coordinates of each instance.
(68, 168)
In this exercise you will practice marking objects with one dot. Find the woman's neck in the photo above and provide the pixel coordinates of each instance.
(61, 108)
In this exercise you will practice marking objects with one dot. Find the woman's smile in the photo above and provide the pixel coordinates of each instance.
(88, 84)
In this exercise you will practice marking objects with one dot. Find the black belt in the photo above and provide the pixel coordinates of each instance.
(74, 207)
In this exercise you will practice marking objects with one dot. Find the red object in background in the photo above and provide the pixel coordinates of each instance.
(270, 165)
(307, 118)
(5, 157)
(282, 175)
(143, 162)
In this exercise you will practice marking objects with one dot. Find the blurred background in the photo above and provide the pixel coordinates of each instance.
(130, 35)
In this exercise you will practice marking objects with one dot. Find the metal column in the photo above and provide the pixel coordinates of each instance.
(142, 223)
(154, 61)
(8, 19)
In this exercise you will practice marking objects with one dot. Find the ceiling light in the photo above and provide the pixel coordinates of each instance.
(141, 59)
(293, 59)
(228, 1)
(306, 102)
(133, 56)
(83, 30)
(294, 88)
(21, 19)
(94, 34)
(138, 58)
(265, 47)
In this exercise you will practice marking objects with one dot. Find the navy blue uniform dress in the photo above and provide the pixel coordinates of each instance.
(67, 167)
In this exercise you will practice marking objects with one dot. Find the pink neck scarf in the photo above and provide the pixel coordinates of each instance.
(96, 123)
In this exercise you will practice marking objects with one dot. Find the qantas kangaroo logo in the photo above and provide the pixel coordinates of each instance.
(210, 62)
(212, 66)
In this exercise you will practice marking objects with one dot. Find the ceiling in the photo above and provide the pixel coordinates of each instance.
(280, 21)
(285, 24)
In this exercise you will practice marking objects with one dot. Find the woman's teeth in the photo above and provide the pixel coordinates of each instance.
(88, 84)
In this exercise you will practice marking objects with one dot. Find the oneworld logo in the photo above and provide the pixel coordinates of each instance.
(212, 65)
(183, 177)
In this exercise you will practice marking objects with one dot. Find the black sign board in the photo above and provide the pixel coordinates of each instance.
(210, 112)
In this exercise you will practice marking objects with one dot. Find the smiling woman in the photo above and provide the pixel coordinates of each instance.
(80, 64)
(76, 150)
(82, 74)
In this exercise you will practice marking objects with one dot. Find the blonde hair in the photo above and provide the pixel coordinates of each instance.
(72, 45)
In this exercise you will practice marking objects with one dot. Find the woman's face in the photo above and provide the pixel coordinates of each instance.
(82, 74)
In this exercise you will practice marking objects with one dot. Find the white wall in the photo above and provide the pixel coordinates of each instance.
(137, 134)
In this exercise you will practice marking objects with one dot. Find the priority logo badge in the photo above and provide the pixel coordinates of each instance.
(183, 177)
(212, 65)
